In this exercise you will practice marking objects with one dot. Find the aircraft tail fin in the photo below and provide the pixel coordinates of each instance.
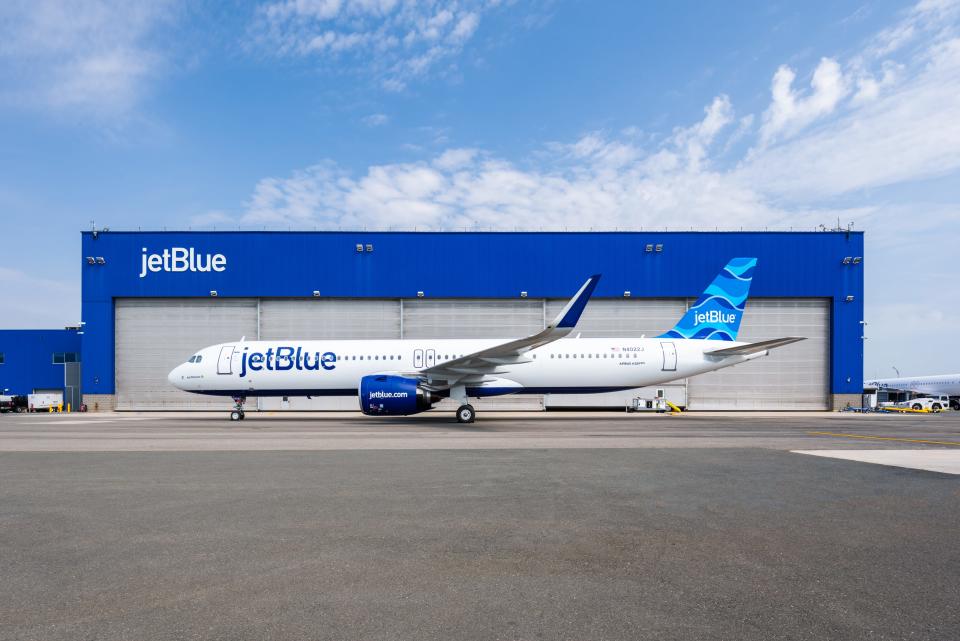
(717, 313)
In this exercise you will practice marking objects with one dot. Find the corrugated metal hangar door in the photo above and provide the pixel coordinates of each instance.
(153, 335)
(426, 318)
(795, 377)
(325, 318)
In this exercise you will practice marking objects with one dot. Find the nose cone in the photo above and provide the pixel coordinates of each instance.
(174, 377)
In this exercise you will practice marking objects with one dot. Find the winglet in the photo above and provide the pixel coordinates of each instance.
(568, 317)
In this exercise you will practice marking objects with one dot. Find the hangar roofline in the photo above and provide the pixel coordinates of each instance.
(474, 232)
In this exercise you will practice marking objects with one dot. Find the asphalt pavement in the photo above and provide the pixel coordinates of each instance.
(674, 528)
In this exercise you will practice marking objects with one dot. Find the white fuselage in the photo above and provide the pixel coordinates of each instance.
(945, 384)
(335, 367)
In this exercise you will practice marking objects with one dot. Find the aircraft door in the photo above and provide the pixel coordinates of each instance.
(225, 360)
(669, 356)
(418, 358)
(431, 357)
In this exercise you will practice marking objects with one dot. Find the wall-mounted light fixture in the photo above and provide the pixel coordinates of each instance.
(316, 293)
(359, 247)
(91, 260)
(626, 293)
(419, 294)
(369, 248)
(101, 260)
(857, 260)
(846, 260)
(649, 248)
(213, 293)
(523, 294)
(849, 298)
(659, 248)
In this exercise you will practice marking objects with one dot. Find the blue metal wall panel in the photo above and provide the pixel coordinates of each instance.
(28, 358)
(471, 265)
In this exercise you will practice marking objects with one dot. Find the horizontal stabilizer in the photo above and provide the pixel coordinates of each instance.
(753, 348)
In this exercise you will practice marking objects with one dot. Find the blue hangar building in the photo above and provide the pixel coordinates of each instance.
(150, 299)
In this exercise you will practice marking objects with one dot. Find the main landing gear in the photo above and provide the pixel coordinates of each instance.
(466, 414)
(237, 414)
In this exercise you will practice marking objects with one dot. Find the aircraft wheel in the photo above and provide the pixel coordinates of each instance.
(466, 414)
(235, 415)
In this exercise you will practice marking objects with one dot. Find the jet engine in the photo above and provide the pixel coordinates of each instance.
(392, 395)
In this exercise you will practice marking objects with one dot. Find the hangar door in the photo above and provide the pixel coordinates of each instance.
(325, 318)
(794, 377)
(476, 318)
(153, 335)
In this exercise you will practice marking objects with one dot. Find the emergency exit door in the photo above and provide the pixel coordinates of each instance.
(669, 356)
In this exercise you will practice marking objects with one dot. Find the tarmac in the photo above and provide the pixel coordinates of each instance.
(520, 526)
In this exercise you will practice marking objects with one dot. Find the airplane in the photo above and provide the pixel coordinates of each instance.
(937, 385)
(408, 376)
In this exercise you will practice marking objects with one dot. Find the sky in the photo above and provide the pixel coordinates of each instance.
(489, 114)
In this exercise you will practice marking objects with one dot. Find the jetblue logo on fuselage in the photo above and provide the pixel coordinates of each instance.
(714, 316)
(284, 358)
(181, 259)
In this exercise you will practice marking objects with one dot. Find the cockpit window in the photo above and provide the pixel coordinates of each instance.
(195, 359)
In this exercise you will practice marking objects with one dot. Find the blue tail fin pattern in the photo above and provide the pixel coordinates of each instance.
(716, 314)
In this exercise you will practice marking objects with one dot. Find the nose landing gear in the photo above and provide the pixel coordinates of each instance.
(238, 414)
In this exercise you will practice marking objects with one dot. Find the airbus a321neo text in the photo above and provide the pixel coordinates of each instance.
(407, 376)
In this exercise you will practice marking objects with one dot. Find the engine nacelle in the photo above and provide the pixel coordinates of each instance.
(392, 395)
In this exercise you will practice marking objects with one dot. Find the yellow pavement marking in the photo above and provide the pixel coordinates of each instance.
(886, 438)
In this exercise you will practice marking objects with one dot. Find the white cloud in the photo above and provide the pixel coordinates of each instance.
(93, 56)
(911, 132)
(394, 42)
(902, 125)
(869, 85)
(790, 111)
(375, 120)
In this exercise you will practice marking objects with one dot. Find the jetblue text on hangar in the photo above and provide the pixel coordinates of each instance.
(181, 259)
(284, 359)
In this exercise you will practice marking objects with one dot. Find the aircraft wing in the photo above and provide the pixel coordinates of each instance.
(474, 368)
(753, 348)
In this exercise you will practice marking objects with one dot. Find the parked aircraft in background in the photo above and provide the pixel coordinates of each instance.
(407, 376)
(941, 385)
